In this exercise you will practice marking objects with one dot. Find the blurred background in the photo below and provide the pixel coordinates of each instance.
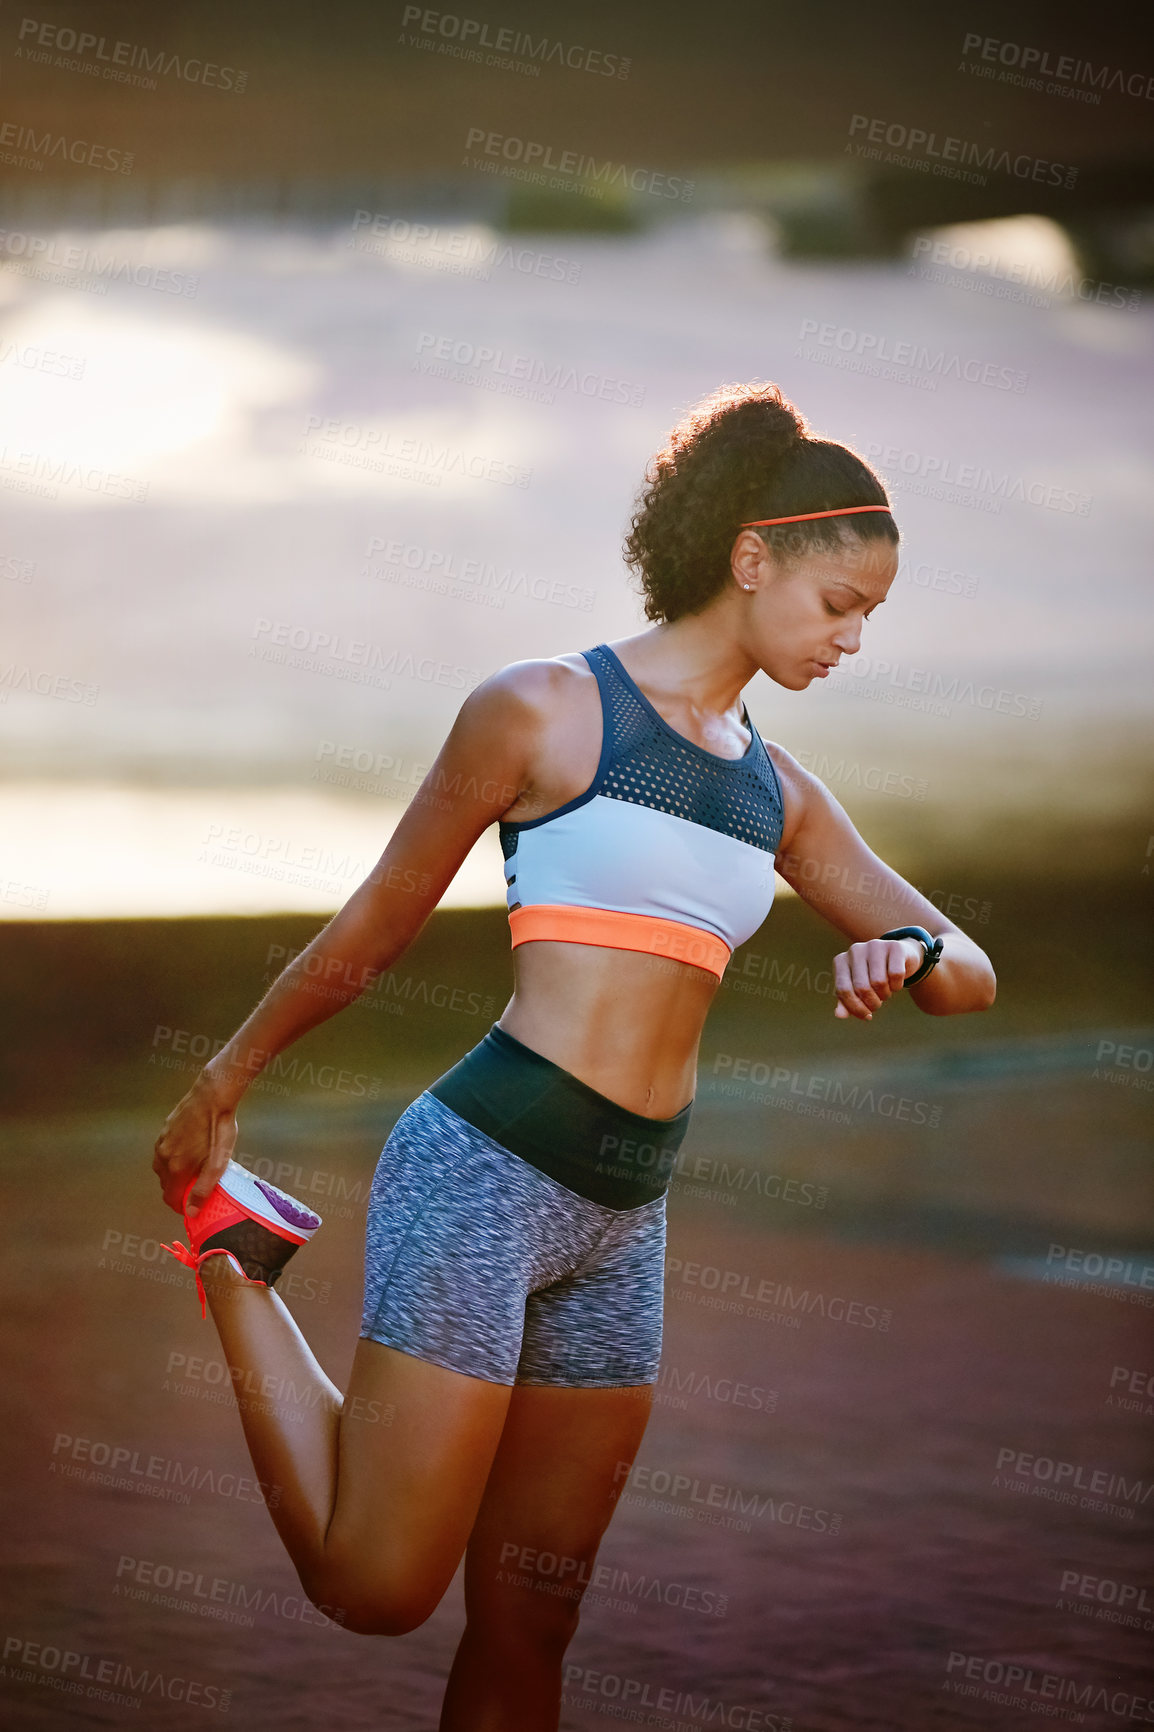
(334, 343)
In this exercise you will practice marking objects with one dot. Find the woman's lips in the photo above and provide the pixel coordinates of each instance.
(823, 668)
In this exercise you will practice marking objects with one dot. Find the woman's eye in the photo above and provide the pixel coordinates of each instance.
(839, 611)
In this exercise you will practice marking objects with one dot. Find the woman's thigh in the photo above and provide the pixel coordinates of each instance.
(416, 1445)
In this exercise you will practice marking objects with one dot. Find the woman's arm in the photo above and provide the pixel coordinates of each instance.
(479, 773)
(827, 863)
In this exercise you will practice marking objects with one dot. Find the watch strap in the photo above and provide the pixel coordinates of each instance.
(932, 947)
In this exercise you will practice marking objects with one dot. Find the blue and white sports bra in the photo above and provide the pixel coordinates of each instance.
(670, 849)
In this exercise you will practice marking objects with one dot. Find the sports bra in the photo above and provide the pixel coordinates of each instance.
(669, 850)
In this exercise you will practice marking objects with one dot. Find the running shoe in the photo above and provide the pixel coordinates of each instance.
(256, 1225)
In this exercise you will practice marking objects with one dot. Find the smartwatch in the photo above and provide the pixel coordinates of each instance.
(933, 948)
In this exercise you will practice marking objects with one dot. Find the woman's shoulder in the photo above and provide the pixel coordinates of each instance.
(531, 693)
(784, 762)
(540, 682)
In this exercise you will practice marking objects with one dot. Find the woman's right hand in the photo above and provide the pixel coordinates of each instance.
(195, 1145)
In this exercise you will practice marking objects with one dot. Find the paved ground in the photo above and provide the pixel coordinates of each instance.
(846, 1533)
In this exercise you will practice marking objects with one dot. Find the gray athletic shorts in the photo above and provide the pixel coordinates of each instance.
(479, 1262)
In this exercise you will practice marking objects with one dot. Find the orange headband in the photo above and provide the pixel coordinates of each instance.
(803, 516)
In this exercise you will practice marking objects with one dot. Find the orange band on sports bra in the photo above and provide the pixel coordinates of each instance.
(804, 516)
(616, 931)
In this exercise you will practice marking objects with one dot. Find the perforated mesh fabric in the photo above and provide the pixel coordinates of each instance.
(651, 765)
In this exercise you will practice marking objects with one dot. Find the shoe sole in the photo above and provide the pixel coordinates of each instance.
(272, 1207)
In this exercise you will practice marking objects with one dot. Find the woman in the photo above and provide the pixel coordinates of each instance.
(515, 1233)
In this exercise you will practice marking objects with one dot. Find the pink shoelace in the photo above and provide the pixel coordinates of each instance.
(193, 1260)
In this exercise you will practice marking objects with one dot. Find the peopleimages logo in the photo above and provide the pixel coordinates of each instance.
(51, 258)
(1013, 279)
(44, 684)
(583, 172)
(873, 776)
(471, 252)
(904, 358)
(949, 154)
(445, 572)
(122, 62)
(1033, 64)
(467, 35)
(1123, 1270)
(40, 146)
(79, 1674)
(733, 1285)
(158, 1474)
(320, 649)
(376, 448)
(936, 686)
(496, 369)
(923, 471)
(38, 360)
(671, 1492)
(565, 1576)
(192, 1591)
(1108, 1592)
(40, 473)
(1070, 1482)
(668, 1705)
(1033, 1689)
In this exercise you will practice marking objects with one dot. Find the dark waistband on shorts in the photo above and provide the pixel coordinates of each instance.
(560, 1125)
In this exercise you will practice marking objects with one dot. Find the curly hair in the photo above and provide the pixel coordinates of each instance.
(742, 452)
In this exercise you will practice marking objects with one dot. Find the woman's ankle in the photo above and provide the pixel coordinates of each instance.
(221, 1275)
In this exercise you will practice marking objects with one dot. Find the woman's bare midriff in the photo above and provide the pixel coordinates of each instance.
(626, 1023)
